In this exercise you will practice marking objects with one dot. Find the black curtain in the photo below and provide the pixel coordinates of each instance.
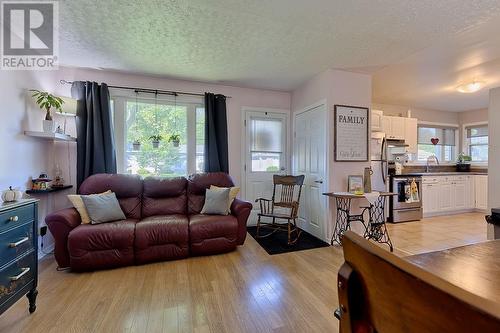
(216, 151)
(94, 128)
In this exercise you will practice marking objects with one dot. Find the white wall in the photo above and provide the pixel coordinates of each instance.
(494, 150)
(24, 157)
(335, 87)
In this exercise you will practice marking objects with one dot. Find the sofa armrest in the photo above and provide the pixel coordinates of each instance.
(60, 224)
(241, 210)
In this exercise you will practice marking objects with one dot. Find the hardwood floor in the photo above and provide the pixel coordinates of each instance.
(243, 291)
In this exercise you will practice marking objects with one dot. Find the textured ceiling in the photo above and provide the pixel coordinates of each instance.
(274, 44)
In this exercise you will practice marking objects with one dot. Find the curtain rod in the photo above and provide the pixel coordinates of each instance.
(148, 90)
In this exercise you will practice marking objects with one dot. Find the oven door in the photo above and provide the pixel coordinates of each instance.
(404, 199)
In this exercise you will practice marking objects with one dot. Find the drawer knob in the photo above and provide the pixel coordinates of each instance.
(19, 242)
(20, 275)
(14, 218)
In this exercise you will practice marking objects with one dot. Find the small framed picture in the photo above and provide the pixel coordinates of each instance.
(355, 184)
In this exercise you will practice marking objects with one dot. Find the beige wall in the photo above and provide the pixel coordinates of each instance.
(473, 116)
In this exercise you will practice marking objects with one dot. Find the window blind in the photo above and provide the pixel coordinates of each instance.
(475, 132)
(445, 135)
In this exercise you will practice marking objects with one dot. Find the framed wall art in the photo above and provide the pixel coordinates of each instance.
(351, 133)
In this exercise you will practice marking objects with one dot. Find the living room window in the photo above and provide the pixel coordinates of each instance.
(476, 143)
(445, 139)
(138, 120)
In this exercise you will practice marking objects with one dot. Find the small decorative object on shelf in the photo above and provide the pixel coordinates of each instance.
(155, 140)
(41, 183)
(175, 139)
(46, 101)
(463, 162)
(11, 195)
(58, 179)
(136, 145)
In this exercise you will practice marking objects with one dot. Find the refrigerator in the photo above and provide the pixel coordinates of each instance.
(379, 163)
(384, 153)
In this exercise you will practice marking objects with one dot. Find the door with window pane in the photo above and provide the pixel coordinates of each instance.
(266, 142)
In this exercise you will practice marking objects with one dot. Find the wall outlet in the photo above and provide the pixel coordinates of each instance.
(43, 230)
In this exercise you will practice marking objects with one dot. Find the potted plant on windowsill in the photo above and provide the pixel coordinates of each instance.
(136, 145)
(175, 139)
(463, 162)
(155, 140)
(46, 101)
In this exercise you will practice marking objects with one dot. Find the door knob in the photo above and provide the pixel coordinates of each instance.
(318, 181)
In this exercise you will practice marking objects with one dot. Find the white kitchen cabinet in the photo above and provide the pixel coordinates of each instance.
(470, 195)
(481, 193)
(450, 193)
(430, 198)
(445, 194)
(377, 116)
(396, 130)
(385, 124)
(411, 135)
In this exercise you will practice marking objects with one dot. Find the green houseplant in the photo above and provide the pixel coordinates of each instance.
(463, 162)
(46, 101)
(155, 140)
(175, 139)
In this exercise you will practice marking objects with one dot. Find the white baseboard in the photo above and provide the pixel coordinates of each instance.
(455, 212)
(47, 249)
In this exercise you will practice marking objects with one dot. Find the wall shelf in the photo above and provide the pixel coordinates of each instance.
(50, 136)
(49, 190)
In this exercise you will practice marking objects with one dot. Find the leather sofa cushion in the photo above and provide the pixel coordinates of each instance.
(164, 196)
(212, 226)
(128, 190)
(199, 183)
(102, 245)
(161, 238)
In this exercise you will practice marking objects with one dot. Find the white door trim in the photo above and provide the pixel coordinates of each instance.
(321, 103)
(244, 111)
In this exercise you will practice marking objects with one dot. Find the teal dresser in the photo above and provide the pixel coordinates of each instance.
(18, 252)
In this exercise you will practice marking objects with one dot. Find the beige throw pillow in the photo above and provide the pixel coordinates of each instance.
(233, 192)
(77, 202)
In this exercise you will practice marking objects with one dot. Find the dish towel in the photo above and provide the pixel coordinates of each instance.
(372, 197)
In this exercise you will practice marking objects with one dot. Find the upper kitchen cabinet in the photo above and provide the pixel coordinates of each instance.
(377, 116)
(400, 128)
(411, 135)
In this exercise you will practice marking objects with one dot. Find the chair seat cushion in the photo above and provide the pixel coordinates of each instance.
(161, 237)
(211, 234)
(102, 245)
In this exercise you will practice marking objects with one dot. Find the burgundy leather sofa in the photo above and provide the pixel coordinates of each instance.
(163, 222)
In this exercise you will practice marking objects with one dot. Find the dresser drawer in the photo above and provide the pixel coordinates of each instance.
(16, 216)
(17, 275)
(14, 242)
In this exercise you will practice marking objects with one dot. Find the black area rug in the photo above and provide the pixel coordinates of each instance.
(277, 243)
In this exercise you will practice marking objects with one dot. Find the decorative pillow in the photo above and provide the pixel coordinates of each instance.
(103, 208)
(216, 202)
(77, 202)
(233, 192)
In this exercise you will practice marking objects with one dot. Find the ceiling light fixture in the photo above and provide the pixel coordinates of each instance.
(471, 87)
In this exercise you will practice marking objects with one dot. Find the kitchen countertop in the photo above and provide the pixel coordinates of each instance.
(444, 173)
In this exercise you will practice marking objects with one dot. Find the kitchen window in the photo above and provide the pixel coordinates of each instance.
(137, 120)
(445, 143)
(476, 143)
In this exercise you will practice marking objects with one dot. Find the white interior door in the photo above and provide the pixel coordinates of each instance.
(309, 159)
(265, 154)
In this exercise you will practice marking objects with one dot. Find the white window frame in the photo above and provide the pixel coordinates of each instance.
(415, 161)
(120, 99)
(465, 143)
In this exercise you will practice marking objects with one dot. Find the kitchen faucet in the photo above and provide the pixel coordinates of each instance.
(430, 158)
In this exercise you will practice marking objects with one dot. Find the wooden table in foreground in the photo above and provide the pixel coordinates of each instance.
(475, 268)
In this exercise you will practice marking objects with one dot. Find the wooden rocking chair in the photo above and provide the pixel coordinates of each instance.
(286, 194)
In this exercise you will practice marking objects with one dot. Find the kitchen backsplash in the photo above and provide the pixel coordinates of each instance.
(439, 168)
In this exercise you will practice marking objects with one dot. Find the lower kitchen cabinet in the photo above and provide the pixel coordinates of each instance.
(448, 194)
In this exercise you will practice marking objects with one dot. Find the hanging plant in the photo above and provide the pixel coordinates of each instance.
(136, 145)
(175, 139)
(155, 140)
(46, 101)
